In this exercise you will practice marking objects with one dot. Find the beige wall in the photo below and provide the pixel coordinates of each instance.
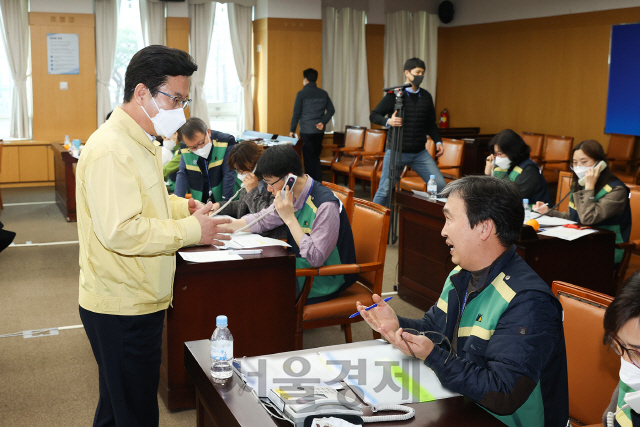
(56, 112)
(546, 75)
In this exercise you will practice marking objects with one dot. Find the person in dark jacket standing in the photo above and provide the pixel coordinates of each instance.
(313, 109)
(418, 122)
(495, 335)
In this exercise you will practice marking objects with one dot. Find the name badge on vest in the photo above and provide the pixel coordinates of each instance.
(195, 162)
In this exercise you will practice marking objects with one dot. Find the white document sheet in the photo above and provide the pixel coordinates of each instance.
(548, 221)
(383, 375)
(248, 240)
(565, 233)
(209, 256)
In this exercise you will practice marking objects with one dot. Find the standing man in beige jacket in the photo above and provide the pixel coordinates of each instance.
(129, 231)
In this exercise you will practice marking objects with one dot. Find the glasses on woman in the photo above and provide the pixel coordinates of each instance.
(437, 338)
(634, 355)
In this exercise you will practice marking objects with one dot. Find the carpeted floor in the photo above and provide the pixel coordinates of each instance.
(53, 380)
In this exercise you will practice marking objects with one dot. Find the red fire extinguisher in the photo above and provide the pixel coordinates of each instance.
(444, 119)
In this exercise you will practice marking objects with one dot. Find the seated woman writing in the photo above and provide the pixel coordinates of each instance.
(317, 225)
(597, 197)
(510, 160)
(622, 332)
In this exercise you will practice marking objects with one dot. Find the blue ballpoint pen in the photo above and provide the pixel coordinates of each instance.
(368, 308)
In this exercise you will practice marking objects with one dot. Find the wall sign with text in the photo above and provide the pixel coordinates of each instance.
(63, 54)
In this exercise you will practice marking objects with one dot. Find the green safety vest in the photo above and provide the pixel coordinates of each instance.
(492, 302)
(195, 177)
(322, 285)
(623, 418)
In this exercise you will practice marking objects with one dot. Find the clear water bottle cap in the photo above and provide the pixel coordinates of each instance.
(525, 201)
(432, 177)
(221, 321)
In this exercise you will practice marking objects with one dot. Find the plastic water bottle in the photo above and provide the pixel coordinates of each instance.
(432, 188)
(527, 211)
(221, 350)
(67, 142)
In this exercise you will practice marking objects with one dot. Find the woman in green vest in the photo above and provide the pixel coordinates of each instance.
(597, 197)
(510, 160)
(622, 332)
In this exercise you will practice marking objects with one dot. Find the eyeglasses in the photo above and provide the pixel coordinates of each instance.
(273, 183)
(634, 355)
(199, 146)
(436, 337)
(184, 102)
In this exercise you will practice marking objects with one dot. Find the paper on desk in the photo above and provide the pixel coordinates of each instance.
(565, 233)
(249, 240)
(548, 221)
(263, 373)
(209, 256)
(388, 378)
(425, 195)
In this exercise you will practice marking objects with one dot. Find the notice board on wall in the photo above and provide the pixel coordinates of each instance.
(623, 102)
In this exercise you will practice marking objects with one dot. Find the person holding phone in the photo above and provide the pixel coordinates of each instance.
(510, 160)
(317, 224)
(597, 197)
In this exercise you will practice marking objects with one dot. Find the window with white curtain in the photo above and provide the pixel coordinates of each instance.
(222, 89)
(6, 91)
(128, 42)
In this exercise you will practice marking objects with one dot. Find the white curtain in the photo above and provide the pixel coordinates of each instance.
(154, 24)
(344, 65)
(201, 18)
(15, 27)
(106, 33)
(240, 27)
(408, 35)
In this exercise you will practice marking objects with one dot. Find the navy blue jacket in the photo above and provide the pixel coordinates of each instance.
(526, 351)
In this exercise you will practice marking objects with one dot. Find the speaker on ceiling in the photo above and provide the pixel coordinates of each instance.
(446, 11)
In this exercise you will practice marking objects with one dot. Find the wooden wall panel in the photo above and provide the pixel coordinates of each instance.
(261, 74)
(10, 167)
(375, 64)
(56, 112)
(178, 38)
(34, 163)
(290, 46)
(546, 75)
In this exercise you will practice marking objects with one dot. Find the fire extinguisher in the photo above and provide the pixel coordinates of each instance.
(444, 119)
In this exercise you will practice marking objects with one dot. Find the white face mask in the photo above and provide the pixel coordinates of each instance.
(169, 144)
(242, 176)
(630, 374)
(502, 162)
(204, 151)
(581, 170)
(167, 122)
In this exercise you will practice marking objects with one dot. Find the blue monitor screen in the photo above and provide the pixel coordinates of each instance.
(623, 104)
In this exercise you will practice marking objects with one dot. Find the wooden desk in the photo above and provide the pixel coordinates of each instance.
(424, 261)
(257, 294)
(65, 180)
(230, 404)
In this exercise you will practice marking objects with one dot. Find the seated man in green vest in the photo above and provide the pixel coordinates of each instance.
(204, 171)
(495, 334)
(318, 227)
(171, 160)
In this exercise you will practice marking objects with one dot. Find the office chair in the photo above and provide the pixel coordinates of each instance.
(370, 227)
(344, 194)
(344, 157)
(367, 161)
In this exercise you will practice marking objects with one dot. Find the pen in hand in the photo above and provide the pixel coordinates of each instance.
(535, 208)
(368, 308)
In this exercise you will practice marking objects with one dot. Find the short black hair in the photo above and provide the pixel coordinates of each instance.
(152, 65)
(624, 307)
(511, 144)
(310, 74)
(279, 161)
(189, 129)
(488, 197)
(412, 63)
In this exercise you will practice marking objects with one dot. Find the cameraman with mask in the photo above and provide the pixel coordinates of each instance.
(418, 122)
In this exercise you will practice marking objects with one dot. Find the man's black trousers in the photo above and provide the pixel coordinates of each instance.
(311, 153)
(128, 350)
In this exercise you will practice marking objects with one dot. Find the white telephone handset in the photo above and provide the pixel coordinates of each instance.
(289, 181)
(600, 167)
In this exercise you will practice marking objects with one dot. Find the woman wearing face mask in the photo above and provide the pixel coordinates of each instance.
(510, 160)
(622, 332)
(254, 195)
(597, 197)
